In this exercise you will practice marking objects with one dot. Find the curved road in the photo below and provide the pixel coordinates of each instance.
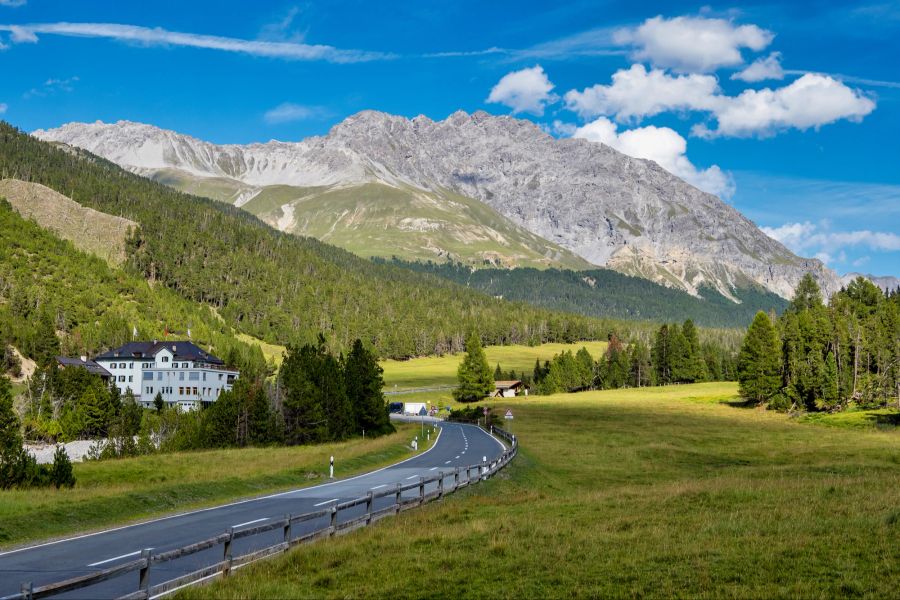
(457, 446)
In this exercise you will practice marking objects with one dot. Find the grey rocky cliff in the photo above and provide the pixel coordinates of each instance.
(625, 213)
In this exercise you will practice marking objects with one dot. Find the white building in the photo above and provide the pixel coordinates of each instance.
(183, 373)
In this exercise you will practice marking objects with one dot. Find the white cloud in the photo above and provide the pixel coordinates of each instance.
(692, 44)
(636, 93)
(52, 86)
(3, 107)
(288, 112)
(662, 145)
(810, 101)
(830, 246)
(158, 36)
(762, 69)
(527, 90)
(13, 3)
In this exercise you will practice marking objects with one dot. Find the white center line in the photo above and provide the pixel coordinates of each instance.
(412, 476)
(251, 522)
(433, 469)
(103, 562)
(457, 456)
(447, 462)
(326, 502)
(377, 487)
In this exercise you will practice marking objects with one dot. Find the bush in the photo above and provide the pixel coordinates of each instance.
(61, 474)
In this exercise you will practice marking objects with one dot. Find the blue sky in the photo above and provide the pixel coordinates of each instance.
(789, 111)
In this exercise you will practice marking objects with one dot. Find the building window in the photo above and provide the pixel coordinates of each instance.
(148, 376)
(204, 375)
(194, 376)
(165, 359)
(181, 376)
(220, 377)
(159, 376)
(195, 391)
(130, 365)
(130, 378)
(121, 378)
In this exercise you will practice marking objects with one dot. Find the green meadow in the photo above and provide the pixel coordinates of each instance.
(662, 492)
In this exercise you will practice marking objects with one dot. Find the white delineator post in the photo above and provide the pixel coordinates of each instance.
(331, 469)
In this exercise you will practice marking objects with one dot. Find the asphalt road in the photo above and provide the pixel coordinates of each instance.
(457, 445)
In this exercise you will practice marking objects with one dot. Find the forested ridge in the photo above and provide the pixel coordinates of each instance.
(606, 293)
(275, 286)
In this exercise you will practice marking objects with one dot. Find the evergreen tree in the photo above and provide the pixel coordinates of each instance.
(61, 473)
(130, 414)
(474, 374)
(807, 296)
(45, 346)
(304, 409)
(662, 355)
(159, 403)
(695, 367)
(498, 373)
(365, 383)
(758, 361)
(830, 391)
(639, 364)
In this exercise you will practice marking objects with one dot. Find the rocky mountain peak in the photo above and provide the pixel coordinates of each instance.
(611, 209)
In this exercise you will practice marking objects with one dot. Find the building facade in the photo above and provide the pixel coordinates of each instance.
(181, 372)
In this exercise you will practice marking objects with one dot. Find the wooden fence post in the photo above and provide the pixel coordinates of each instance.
(421, 490)
(399, 493)
(27, 590)
(144, 574)
(369, 499)
(333, 520)
(456, 478)
(226, 568)
(441, 485)
(287, 533)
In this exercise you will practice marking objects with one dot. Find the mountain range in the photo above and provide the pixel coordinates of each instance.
(476, 188)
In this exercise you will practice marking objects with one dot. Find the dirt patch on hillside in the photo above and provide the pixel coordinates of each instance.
(89, 230)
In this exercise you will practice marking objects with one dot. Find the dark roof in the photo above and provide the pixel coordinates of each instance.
(505, 385)
(180, 349)
(90, 365)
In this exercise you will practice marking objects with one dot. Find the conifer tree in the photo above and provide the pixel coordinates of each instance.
(758, 361)
(474, 374)
(365, 383)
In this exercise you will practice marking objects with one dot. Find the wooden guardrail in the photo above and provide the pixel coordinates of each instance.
(223, 568)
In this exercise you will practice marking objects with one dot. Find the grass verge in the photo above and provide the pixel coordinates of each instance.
(119, 491)
(632, 493)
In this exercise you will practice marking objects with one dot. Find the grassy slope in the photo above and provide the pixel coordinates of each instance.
(648, 492)
(379, 220)
(436, 371)
(113, 492)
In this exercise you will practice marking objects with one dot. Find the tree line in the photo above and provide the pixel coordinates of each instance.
(605, 293)
(819, 357)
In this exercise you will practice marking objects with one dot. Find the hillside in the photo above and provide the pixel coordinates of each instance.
(604, 292)
(610, 209)
(93, 306)
(277, 287)
(89, 230)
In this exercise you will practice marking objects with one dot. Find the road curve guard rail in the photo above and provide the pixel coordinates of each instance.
(462, 477)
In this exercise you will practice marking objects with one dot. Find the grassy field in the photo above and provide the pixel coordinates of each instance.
(435, 371)
(655, 492)
(116, 491)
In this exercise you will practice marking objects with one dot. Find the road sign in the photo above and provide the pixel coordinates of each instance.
(508, 414)
(486, 410)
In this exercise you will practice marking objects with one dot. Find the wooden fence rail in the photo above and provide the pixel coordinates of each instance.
(228, 563)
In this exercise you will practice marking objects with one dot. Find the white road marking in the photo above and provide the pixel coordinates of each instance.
(251, 522)
(447, 462)
(433, 469)
(103, 562)
(326, 502)
(457, 456)
(378, 487)
(412, 476)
